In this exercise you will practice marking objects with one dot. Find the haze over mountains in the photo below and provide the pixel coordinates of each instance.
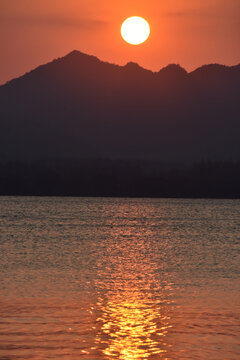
(80, 107)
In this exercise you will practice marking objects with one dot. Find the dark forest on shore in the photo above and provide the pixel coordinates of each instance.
(120, 178)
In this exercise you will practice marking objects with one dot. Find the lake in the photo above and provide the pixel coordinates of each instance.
(104, 278)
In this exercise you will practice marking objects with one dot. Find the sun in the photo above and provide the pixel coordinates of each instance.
(135, 30)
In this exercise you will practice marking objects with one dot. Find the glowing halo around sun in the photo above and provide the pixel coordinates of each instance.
(135, 30)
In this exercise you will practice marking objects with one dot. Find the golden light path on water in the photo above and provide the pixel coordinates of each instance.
(132, 328)
(134, 315)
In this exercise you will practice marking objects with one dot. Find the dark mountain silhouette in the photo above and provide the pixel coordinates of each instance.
(80, 107)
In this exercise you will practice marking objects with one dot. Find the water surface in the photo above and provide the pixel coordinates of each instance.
(119, 279)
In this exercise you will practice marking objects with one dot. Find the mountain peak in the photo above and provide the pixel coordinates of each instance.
(135, 68)
(132, 65)
(78, 55)
(75, 53)
(172, 73)
(173, 69)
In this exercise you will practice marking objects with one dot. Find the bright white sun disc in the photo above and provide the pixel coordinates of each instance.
(135, 30)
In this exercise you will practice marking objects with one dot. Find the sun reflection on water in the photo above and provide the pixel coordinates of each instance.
(134, 305)
(132, 327)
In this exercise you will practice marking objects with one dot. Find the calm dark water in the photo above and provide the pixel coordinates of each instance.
(119, 279)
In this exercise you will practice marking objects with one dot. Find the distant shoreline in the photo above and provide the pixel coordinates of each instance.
(118, 197)
(120, 179)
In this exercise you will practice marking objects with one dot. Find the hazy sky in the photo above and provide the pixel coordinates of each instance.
(188, 32)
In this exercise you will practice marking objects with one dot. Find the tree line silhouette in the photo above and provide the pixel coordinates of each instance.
(120, 178)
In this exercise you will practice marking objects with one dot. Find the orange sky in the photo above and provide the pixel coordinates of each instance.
(188, 32)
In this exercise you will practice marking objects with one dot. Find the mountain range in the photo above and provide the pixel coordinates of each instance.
(80, 107)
